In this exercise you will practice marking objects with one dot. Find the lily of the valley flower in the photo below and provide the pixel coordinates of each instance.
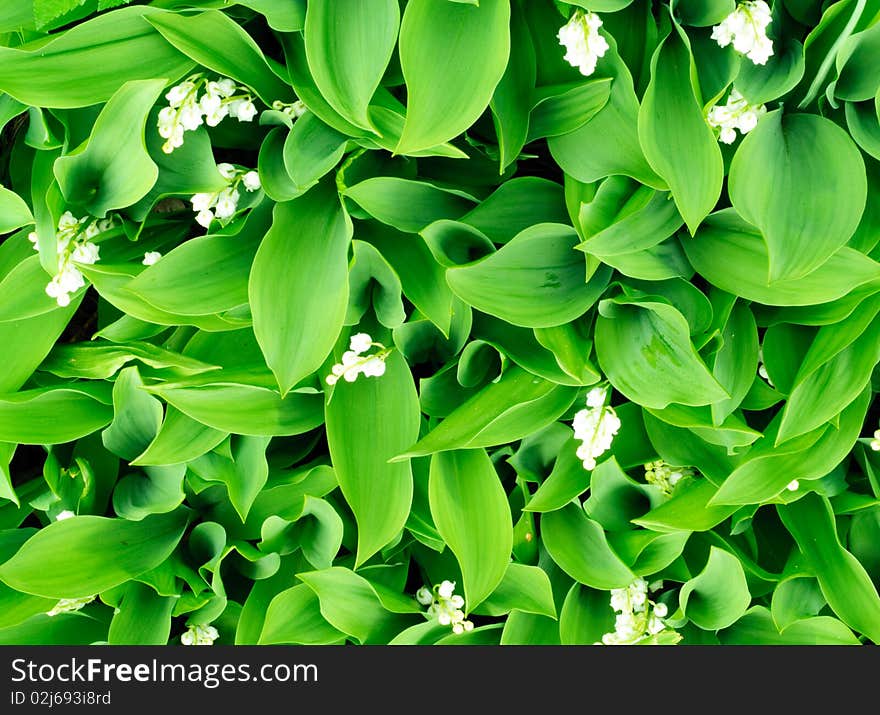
(151, 258)
(736, 114)
(445, 606)
(638, 617)
(74, 245)
(875, 441)
(582, 41)
(200, 635)
(355, 362)
(294, 110)
(187, 110)
(746, 27)
(595, 426)
(223, 204)
(664, 476)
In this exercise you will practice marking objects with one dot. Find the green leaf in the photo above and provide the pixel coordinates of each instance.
(579, 547)
(360, 38)
(718, 596)
(736, 361)
(645, 350)
(616, 499)
(294, 617)
(523, 588)
(452, 56)
(843, 580)
(368, 422)
(311, 149)
(200, 36)
(142, 617)
(567, 480)
(732, 255)
(157, 491)
(351, 604)
(801, 180)
(114, 169)
(471, 512)
(14, 212)
(296, 325)
(180, 439)
(517, 405)
(674, 134)
(756, 627)
(51, 415)
(535, 281)
(89, 62)
(109, 553)
(137, 416)
(688, 509)
(408, 205)
(246, 409)
(557, 114)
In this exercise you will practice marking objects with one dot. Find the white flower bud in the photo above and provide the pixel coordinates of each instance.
(251, 181)
(424, 596)
(151, 258)
(446, 589)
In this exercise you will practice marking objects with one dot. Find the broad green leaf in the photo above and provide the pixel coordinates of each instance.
(535, 281)
(142, 618)
(180, 439)
(368, 422)
(351, 604)
(311, 149)
(109, 553)
(770, 467)
(452, 56)
(373, 283)
(523, 588)
(100, 360)
(202, 276)
(756, 627)
(843, 580)
(522, 628)
(296, 325)
(616, 499)
(645, 350)
(89, 62)
(585, 617)
(732, 255)
(294, 617)
(647, 552)
(244, 474)
(246, 409)
(579, 547)
(515, 406)
(23, 294)
(718, 596)
(199, 36)
(114, 169)
(512, 97)
(14, 212)
(801, 180)
(558, 114)
(796, 598)
(736, 361)
(361, 38)
(674, 134)
(471, 512)
(567, 480)
(408, 205)
(51, 415)
(137, 416)
(688, 509)
(515, 206)
(157, 491)
(702, 13)
(63, 629)
(608, 144)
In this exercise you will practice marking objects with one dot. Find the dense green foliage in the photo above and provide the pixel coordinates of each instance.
(311, 308)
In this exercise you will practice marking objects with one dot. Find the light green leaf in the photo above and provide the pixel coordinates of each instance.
(296, 325)
(359, 37)
(674, 134)
(14, 212)
(137, 416)
(294, 617)
(523, 588)
(109, 553)
(142, 617)
(471, 512)
(718, 596)
(452, 56)
(51, 415)
(368, 422)
(801, 180)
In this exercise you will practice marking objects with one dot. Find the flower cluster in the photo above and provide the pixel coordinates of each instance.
(595, 427)
(294, 110)
(66, 605)
(664, 476)
(73, 239)
(200, 635)
(746, 27)
(223, 204)
(638, 617)
(582, 41)
(355, 362)
(187, 110)
(445, 606)
(736, 114)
